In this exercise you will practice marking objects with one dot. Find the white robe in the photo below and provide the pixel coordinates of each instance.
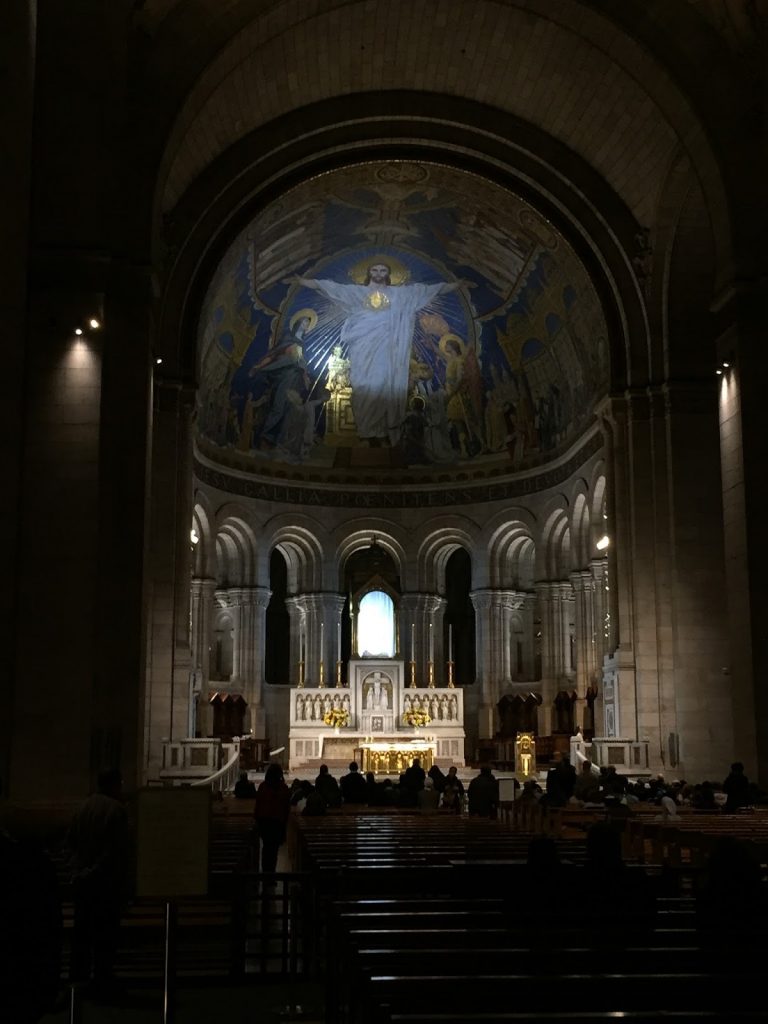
(379, 349)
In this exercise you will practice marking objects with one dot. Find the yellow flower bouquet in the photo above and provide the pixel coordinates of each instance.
(336, 717)
(416, 718)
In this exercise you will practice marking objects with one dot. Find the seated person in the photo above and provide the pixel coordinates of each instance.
(428, 799)
(353, 787)
(245, 790)
(328, 787)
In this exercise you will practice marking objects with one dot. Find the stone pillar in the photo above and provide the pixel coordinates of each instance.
(582, 585)
(598, 567)
(325, 611)
(166, 704)
(548, 687)
(202, 590)
(501, 622)
(527, 610)
(483, 602)
(297, 611)
(618, 527)
(18, 45)
(250, 605)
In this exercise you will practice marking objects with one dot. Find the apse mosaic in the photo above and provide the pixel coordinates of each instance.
(398, 315)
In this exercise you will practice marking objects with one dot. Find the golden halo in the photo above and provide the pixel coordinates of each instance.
(304, 314)
(443, 344)
(398, 272)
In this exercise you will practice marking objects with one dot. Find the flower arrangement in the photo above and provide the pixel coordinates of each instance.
(336, 717)
(416, 718)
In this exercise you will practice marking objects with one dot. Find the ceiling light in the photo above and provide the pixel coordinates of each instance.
(94, 323)
(603, 543)
(78, 331)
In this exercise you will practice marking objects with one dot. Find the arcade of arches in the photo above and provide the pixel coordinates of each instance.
(307, 301)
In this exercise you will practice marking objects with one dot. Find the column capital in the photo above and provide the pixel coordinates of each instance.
(582, 580)
(483, 600)
(203, 584)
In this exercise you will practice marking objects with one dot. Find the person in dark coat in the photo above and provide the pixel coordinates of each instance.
(483, 794)
(736, 787)
(328, 787)
(452, 779)
(99, 845)
(561, 780)
(244, 789)
(353, 787)
(271, 810)
(413, 777)
(438, 778)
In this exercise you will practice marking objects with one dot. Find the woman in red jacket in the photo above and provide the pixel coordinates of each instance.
(271, 812)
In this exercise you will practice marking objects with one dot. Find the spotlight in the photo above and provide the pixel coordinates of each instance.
(78, 331)
(726, 365)
(603, 543)
(719, 373)
(193, 535)
(158, 362)
(94, 323)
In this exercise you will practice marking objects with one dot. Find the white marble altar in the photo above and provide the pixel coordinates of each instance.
(379, 706)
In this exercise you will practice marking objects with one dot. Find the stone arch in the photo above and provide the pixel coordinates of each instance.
(359, 533)
(204, 551)
(235, 550)
(555, 563)
(235, 92)
(440, 538)
(580, 527)
(296, 539)
(512, 557)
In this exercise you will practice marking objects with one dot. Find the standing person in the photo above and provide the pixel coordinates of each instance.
(561, 780)
(99, 846)
(736, 786)
(271, 810)
(483, 794)
(377, 331)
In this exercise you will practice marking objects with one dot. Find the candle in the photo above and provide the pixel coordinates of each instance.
(338, 640)
(431, 643)
(413, 641)
(450, 641)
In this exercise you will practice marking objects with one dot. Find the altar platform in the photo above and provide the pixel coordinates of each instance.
(377, 721)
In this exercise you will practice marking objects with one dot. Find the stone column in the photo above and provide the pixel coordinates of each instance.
(483, 602)
(618, 527)
(325, 611)
(544, 596)
(527, 609)
(202, 590)
(582, 584)
(297, 611)
(598, 567)
(250, 605)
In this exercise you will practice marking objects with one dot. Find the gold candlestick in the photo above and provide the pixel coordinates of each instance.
(450, 675)
(338, 675)
(300, 683)
(321, 679)
(431, 675)
(412, 666)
